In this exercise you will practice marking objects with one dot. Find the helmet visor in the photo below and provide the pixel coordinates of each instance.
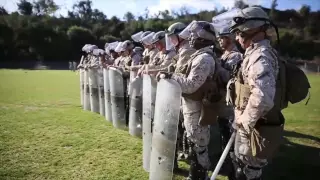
(137, 37)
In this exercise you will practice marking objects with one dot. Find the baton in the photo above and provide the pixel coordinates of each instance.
(223, 157)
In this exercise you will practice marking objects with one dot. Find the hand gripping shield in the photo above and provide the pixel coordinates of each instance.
(101, 92)
(94, 90)
(117, 98)
(148, 103)
(86, 100)
(135, 110)
(165, 130)
(107, 98)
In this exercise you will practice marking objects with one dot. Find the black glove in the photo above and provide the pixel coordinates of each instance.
(163, 75)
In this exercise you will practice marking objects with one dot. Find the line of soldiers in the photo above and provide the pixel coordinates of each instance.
(239, 88)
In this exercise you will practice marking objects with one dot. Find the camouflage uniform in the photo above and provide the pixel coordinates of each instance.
(118, 61)
(162, 61)
(184, 53)
(202, 67)
(231, 58)
(259, 70)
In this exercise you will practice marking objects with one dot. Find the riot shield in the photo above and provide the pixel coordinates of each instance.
(107, 99)
(81, 72)
(133, 74)
(86, 100)
(135, 109)
(101, 92)
(117, 98)
(166, 118)
(94, 90)
(148, 102)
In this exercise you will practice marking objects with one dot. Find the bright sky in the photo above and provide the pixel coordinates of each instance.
(137, 7)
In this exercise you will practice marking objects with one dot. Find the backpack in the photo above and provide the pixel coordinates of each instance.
(296, 82)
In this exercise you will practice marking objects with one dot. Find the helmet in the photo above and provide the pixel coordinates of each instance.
(224, 32)
(158, 36)
(175, 28)
(111, 47)
(98, 52)
(199, 29)
(173, 41)
(106, 45)
(137, 36)
(138, 50)
(127, 45)
(91, 48)
(249, 18)
(118, 47)
(85, 47)
(145, 34)
(147, 40)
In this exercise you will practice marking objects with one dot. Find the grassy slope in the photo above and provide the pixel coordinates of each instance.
(44, 134)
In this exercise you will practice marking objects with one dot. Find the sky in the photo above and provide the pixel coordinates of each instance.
(137, 7)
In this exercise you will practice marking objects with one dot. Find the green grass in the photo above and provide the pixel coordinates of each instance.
(45, 134)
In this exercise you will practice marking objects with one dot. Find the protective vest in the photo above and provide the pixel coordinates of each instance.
(241, 92)
(209, 89)
(208, 94)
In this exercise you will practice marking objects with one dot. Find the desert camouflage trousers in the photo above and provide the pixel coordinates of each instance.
(199, 136)
(252, 165)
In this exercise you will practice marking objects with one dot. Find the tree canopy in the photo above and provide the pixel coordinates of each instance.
(36, 33)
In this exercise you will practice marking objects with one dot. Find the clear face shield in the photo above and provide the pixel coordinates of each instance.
(113, 46)
(137, 37)
(147, 40)
(118, 48)
(225, 19)
(171, 41)
(185, 34)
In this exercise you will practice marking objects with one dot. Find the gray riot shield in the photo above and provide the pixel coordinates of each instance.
(135, 109)
(86, 100)
(81, 72)
(166, 118)
(94, 90)
(117, 98)
(101, 92)
(133, 74)
(107, 99)
(148, 102)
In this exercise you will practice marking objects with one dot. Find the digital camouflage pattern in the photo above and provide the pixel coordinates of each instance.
(202, 66)
(259, 71)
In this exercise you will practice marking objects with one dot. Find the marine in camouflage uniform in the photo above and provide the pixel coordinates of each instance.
(201, 66)
(184, 51)
(255, 89)
(229, 60)
(164, 57)
(149, 52)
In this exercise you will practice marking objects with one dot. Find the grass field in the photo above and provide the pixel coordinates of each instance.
(45, 134)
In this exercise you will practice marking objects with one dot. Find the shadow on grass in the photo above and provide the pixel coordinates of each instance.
(294, 161)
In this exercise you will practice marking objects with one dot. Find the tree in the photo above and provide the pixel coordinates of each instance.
(305, 11)
(98, 15)
(79, 36)
(128, 17)
(3, 11)
(45, 7)
(83, 9)
(25, 7)
(274, 4)
(240, 4)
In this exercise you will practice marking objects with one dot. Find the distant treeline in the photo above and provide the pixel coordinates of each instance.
(33, 33)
